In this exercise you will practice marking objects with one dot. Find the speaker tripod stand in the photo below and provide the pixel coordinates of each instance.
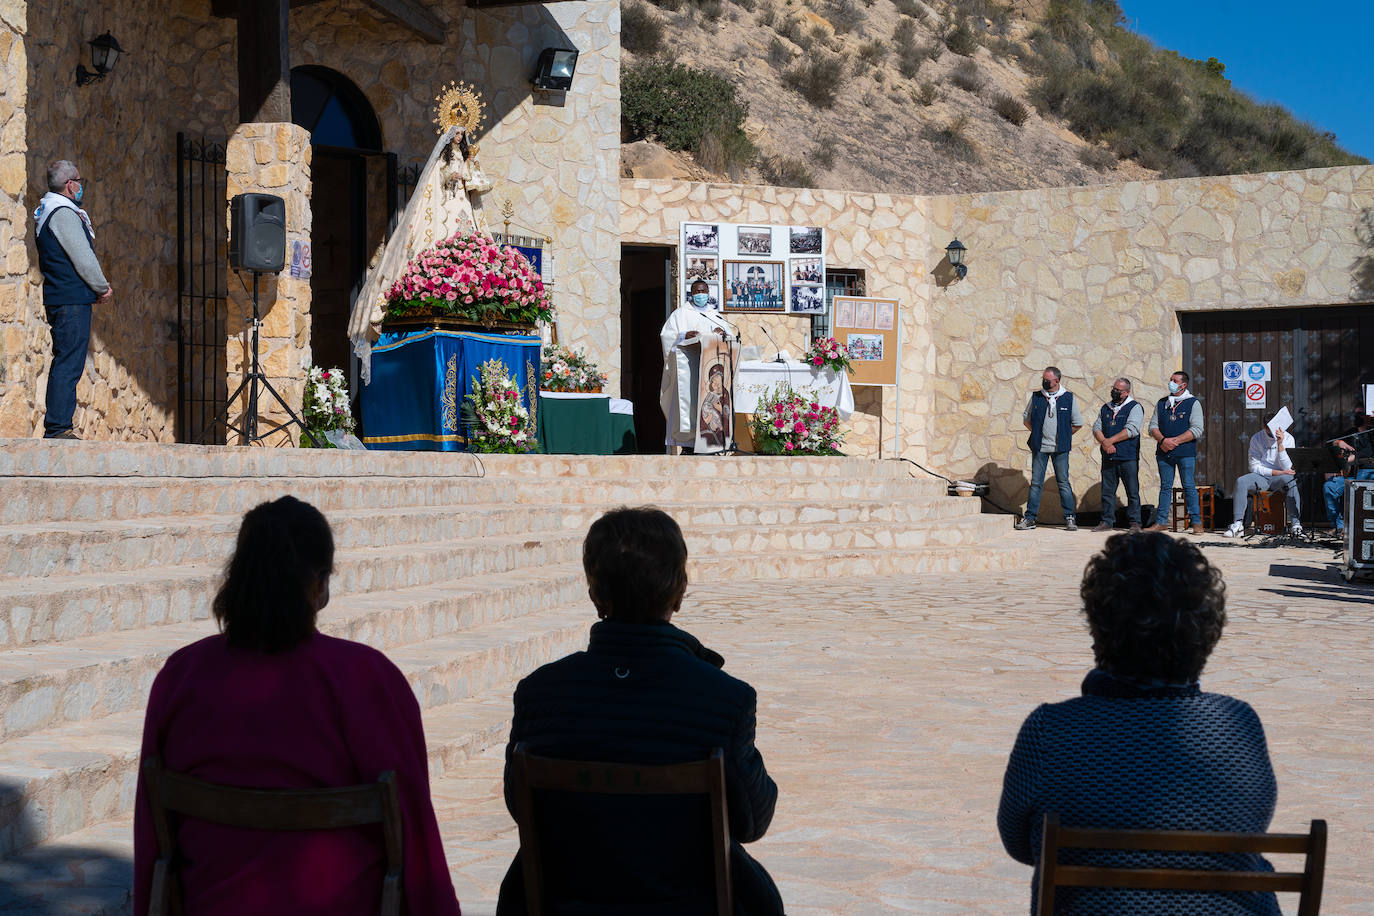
(252, 381)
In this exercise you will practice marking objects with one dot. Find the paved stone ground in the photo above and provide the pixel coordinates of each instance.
(887, 709)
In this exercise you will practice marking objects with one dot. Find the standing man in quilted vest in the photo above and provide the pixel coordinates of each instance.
(1177, 427)
(72, 283)
(1117, 431)
(1052, 417)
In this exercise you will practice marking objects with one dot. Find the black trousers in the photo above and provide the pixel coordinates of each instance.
(1128, 472)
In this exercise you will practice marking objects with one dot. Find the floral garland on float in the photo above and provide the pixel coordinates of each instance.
(470, 278)
(565, 369)
(496, 420)
(829, 353)
(787, 422)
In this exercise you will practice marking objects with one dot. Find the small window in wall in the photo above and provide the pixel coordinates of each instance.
(837, 283)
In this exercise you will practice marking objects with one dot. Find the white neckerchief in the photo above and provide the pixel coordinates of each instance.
(50, 203)
(1053, 397)
(1175, 398)
(1119, 407)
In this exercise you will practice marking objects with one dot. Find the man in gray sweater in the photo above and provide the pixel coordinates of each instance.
(72, 282)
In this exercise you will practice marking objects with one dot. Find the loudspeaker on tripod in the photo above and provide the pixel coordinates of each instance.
(257, 233)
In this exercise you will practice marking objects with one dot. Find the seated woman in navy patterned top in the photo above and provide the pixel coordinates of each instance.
(1144, 747)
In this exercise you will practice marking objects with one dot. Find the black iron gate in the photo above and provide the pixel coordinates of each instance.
(202, 289)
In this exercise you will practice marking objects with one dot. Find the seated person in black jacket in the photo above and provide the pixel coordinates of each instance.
(643, 692)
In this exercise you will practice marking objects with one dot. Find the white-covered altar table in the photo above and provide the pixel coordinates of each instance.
(829, 388)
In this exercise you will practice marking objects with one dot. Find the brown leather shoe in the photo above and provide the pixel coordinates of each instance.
(1135, 529)
(1197, 530)
(1158, 528)
(1102, 527)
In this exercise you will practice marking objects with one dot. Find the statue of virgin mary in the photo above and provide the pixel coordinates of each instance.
(446, 199)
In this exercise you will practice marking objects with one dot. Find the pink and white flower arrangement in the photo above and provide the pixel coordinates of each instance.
(500, 421)
(787, 422)
(827, 352)
(325, 407)
(565, 369)
(471, 277)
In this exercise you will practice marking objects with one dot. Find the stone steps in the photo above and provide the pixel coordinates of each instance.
(466, 571)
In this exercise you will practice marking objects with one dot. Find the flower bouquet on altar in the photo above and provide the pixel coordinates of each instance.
(565, 369)
(470, 278)
(828, 353)
(496, 421)
(789, 423)
(324, 408)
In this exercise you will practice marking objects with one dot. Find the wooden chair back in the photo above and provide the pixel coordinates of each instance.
(1307, 883)
(701, 777)
(268, 809)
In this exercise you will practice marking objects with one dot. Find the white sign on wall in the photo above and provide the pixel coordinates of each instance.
(1231, 375)
(1255, 395)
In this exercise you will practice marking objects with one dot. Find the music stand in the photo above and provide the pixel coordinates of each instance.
(1314, 461)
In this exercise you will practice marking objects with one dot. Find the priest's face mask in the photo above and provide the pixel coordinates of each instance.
(701, 295)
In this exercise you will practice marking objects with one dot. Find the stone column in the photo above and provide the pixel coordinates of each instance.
(24, 337)
(271, 158)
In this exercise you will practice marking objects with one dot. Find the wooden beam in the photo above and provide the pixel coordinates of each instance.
(413, 16)
(264, 61)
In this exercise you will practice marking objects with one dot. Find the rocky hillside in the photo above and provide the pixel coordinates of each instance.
(949, 96)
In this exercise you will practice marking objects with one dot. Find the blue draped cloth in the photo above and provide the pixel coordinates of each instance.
(420, 380)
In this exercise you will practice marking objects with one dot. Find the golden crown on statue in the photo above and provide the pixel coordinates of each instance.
(458, 104)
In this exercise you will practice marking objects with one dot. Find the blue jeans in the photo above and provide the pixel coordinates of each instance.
(71, 337)
(1128, 472)
(1166, 466)
(1061, 475)
(1334, 491)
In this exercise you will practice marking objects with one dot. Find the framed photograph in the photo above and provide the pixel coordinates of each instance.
(806, 240)
(807, 300)
(844, 313)
(884, 315)
(865, 348)
(701, 237)
(807, 272)
(755, 286)
(863, 314)
(702, 268)
(713, 291)
(755, 240)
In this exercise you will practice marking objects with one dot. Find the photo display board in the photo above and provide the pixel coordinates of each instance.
(868, 328)
(764, 269)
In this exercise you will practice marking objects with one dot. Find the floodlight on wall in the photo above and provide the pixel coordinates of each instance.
(955, 250)
(554, 72)
(105, 50)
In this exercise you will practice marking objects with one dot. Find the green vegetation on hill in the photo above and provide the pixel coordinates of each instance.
(1178, 116)
(686, 109)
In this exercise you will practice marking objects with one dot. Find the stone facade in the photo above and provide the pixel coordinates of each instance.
(555, 158)
(1088, 279)
(881, 234)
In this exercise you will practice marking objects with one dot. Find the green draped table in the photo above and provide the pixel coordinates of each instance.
(576, 423)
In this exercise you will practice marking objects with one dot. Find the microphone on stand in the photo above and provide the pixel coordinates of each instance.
(777, 351)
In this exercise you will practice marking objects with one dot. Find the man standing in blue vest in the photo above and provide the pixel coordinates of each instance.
(72, 283)
(1052, 417)
(1117, 431)
(1177, 427)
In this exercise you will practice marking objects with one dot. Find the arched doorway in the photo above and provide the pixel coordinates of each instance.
(351, 199)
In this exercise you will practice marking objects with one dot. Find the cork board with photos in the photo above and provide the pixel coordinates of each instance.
(868, 328)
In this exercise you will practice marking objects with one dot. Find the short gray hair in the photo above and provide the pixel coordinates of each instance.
(1055, 370)
(1125, 381)
(59, 173)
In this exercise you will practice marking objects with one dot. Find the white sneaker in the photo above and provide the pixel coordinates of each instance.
(1235, 531)
(1295, 530)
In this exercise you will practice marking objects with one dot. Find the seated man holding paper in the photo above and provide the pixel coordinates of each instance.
(1270, 469)
(696, 337)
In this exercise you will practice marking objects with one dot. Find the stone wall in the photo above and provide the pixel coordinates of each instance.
(555, 159)
(882, 234)
(1092, 280)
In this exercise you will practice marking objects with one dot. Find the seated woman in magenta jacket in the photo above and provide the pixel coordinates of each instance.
(271, 703)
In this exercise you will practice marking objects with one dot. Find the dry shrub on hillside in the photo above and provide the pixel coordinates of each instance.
(952, 138)
(710, 9)
(872, 52)
(961, 40)
(1098, 158)
(913, 8)
(926, 93)
(935, 50)
(1010, 109)
(786, 172)
(746, 4)
(818, 79)
(845, 16)
(778, 53)
(824, 153)
(966, 76)
(671, 6)
(641, 31)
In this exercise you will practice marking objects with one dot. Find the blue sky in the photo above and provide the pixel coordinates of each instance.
(1316, 58)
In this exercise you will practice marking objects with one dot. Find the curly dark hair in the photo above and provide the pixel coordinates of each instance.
(1155, 607)
(284, 551)
(636, 564)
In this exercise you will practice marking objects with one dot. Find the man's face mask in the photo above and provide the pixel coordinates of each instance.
(1173, 387)
(701, 300)
(80, 193)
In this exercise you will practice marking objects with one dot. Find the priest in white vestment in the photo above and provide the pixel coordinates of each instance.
(679, 389)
